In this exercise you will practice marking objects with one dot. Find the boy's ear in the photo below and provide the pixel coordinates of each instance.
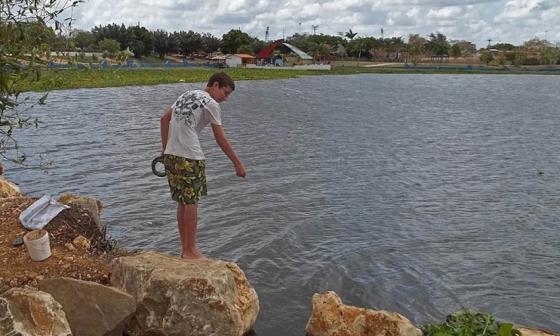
(216, 85)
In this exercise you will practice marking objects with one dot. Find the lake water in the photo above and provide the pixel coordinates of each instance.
(419, 194)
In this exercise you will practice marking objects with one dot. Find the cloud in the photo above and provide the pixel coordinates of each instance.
(519, 9)
(405, 18)
(445, 13)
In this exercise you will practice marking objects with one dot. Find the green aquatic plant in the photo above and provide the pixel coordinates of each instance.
(470, 323)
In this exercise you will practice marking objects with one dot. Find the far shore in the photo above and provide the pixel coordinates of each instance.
(61, 79)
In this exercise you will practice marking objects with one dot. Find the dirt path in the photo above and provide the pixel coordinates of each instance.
(66, 260)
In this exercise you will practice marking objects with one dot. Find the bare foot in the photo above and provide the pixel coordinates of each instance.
(193, 256)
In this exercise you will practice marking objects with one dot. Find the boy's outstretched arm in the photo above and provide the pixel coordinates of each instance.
(226, 147)
(164, 128)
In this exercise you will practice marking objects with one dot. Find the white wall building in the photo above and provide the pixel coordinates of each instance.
(238, 60)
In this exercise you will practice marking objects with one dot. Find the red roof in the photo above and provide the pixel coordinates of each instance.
(267, 51)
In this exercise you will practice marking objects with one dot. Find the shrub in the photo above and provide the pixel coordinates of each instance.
(470, 323)
(531, 61)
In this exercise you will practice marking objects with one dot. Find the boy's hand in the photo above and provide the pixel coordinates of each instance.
(240, 169)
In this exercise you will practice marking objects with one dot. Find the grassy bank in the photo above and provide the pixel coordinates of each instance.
(71, 79)
(87, 78)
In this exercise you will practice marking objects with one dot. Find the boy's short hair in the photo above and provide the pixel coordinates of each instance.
(223, 80)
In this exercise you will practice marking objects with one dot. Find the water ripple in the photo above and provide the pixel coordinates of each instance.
(416, 194)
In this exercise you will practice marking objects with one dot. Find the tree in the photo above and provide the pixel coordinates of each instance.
(320, 51)
(416, 48)
(42, 37)
(438, 45)
(60, 42)
(499, 58)
(360, 46)
(486, 57)
(518, 57)
(233, 40)
(503, 46)
(549, 55)
(307, 42)
(257, 45)
(115, 32)
(140, 41)
(350, 34)
(189, 42)
(302, 41)
(210, 43)
(20, 43)
(468, 49)
(83, 39)
(395, 46)
(161, 43)
(245, 49)
(110, 46)
(455, 51)
(535, 44)
(340, 51)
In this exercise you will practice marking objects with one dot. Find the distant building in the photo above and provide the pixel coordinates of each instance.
(218, 60)
(280, 53)
(239, 60)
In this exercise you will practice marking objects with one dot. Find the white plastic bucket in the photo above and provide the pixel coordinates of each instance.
(37, 244)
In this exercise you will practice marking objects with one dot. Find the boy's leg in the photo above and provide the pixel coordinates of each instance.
(187, 221)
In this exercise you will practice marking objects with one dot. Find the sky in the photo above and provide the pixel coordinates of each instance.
(502, 21)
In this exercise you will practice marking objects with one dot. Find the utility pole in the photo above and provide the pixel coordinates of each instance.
(382, 33)
(299, 28)
(266, 34)
(315, 29)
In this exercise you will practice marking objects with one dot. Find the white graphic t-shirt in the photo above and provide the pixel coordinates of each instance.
(191, 113)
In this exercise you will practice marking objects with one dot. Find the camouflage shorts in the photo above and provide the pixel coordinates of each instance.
(186, 178)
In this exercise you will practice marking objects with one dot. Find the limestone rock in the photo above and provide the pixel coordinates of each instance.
(26, 312)
(70, 247)
(178, 297)
(91, 309)
(91, 205)
(8, 189)
(330, 317)
(6, 318)
(81, 242)
(533, 332)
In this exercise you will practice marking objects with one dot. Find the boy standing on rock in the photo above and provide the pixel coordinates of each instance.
(183, 158)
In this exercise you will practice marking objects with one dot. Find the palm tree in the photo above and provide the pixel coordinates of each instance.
(397, 44)
(350, 34)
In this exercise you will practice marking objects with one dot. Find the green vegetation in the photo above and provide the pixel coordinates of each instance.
(24, 35)
(68, 79)
(110, 46)
(470, 323)
(413, 48)
(88, 78)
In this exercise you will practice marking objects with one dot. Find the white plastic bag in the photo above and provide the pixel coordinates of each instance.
(41, 212)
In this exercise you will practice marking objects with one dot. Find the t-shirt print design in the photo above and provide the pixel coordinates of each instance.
(187, 104)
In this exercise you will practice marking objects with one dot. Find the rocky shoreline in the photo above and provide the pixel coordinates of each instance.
(87, 287)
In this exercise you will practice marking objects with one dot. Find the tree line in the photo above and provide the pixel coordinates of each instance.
(142, 42)
(113, 38)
